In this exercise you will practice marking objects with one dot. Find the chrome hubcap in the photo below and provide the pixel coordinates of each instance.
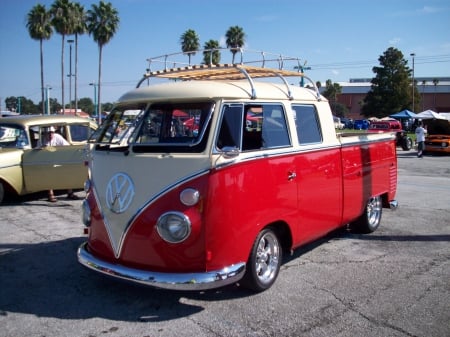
(267, 257)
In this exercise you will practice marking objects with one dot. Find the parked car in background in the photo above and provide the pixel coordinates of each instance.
(438, 136)
(348, 123)
(402, 138)
(361, 124)
(337, 123)
(27, 167)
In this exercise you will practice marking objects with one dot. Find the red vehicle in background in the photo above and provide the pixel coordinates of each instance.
(402, 138)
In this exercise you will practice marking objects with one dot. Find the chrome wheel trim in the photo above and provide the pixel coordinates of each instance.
(374, 209)
(267, 258)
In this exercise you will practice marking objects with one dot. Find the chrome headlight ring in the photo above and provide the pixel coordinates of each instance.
(174, 227)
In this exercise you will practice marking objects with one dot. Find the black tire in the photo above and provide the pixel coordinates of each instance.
(2, 192)
(370, 220)
(407, 144)
(264, 262)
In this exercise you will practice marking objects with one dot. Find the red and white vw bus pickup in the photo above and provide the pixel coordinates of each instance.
(206, 179)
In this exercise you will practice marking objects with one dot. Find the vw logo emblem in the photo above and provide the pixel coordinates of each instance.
(119, 193)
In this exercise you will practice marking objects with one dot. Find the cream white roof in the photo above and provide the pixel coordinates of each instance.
(202, 89)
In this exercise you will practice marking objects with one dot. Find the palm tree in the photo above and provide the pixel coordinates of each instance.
(62, 13)
(102, 22)
(79, 29)
(40, 28)
(211, 55)
(190, 43)
(235, 39)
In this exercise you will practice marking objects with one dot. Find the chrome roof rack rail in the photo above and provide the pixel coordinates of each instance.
(227, 71)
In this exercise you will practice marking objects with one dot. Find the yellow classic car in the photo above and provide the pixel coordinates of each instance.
(28, 165)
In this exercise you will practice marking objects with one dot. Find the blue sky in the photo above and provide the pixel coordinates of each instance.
(338, 39)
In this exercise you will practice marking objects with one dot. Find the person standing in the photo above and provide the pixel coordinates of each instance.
(51, 138)
(420, 139)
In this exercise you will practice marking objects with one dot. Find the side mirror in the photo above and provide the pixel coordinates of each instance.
(230, 152)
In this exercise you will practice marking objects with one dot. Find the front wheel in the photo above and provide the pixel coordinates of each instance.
(370, 220)
(264, 262)
(2, 192)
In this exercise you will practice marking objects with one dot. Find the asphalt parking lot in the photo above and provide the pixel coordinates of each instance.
(394, 282)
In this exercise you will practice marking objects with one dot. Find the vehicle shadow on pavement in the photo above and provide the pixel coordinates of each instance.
(46, 280)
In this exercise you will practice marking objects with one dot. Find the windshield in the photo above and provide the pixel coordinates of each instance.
(161, 127)
(174, 124)
(119, 125)
(13, 136)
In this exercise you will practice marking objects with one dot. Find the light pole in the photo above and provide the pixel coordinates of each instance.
(47, 94)
(70, 74)
(95, 101)
(413, 85)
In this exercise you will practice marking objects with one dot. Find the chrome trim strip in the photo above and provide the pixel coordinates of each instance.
(173, 281)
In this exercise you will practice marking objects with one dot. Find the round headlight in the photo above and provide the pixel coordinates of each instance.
(189, 196)
(173, 227)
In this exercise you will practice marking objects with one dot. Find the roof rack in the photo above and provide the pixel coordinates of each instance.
(233, 71)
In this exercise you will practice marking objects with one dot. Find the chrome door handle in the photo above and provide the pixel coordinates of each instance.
(292, 176)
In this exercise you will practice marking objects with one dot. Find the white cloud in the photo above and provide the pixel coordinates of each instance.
(394, 41)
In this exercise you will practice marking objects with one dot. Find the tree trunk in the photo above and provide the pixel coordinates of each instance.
(76, 72)
(42, 76)
(99, 104)
(62, 75)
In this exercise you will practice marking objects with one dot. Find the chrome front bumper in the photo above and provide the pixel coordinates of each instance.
(173, 281)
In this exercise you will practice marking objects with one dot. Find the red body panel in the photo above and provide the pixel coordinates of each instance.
(330, 189)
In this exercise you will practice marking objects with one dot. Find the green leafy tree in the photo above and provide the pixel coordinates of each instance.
(190, 43)
(211, 55)
(102, 23)
(235, 39)
(86, 105)
(331, 92)
(107, 106)
(40, 28)
(55, 106)
(22, 105)
(79, 28)
(63, 22)
(391, 90)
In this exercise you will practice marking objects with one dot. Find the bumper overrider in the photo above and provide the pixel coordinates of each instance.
(173, 281)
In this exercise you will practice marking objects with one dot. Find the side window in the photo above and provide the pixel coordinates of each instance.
(307, 124)
(231, 127)
(274, 130)
(265, 127)
(261, 126)
(79, 132)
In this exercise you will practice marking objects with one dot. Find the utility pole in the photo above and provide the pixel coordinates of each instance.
(70, 74)
(413, 83)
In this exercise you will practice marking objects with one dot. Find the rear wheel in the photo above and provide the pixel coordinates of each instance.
(264, 262)
(407, 143)
(370, 220)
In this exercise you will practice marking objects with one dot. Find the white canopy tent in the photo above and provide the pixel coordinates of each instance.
(429, 114)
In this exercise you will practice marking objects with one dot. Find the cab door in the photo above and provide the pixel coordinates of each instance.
(54, 167)
(319, 177)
